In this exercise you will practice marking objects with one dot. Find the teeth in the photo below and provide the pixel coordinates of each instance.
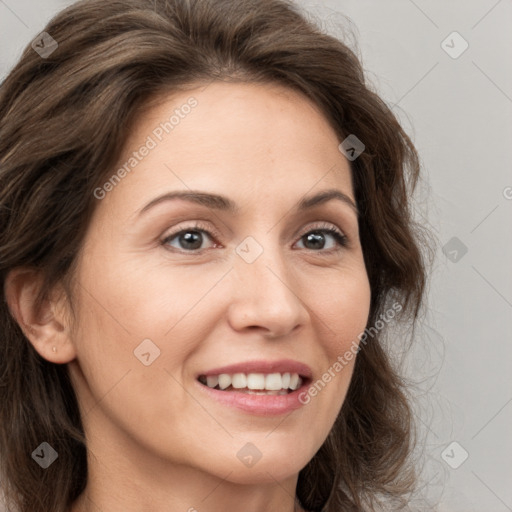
(224, 381)
(268, 384)
(212, 381)
(256, 381)
(239, 381)
(273, 381)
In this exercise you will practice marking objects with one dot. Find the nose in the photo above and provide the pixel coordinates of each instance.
(264, 298)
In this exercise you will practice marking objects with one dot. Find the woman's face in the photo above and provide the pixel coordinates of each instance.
(262, 291)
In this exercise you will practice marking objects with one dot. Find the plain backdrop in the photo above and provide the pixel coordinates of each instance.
(445, 68)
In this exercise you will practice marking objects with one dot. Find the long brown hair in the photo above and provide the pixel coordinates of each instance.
(63, 120)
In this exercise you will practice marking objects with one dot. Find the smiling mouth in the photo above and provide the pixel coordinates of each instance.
(255, 383)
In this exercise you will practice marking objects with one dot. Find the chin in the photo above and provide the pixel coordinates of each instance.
(267, 466)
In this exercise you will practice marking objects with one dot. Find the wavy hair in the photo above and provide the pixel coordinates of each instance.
(63, 121)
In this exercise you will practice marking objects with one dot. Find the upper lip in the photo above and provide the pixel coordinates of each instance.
(261, 366)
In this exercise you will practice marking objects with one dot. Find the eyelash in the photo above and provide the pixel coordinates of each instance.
(325, 228)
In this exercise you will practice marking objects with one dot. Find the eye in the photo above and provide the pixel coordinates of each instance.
(317, 236)
(191, 238)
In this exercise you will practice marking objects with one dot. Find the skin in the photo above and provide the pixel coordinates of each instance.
(155, 441)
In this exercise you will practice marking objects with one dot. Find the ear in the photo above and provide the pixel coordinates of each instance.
(45, 328)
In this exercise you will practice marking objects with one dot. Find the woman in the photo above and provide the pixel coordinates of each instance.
(205, 228)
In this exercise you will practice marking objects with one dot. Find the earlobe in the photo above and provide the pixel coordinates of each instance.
(46, 328)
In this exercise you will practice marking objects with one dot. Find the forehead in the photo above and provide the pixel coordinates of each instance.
(242, 140)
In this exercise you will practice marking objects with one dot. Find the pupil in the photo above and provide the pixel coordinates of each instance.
(188, 238)
(316, 238)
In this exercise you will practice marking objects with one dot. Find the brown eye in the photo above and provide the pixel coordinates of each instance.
(188, 239)
(316, 239)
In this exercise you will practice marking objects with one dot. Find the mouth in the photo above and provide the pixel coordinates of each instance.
(270, 384)
(263, 388)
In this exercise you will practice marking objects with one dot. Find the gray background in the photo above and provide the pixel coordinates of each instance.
(458, 112)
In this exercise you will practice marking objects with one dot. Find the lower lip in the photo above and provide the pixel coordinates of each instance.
(262, 405)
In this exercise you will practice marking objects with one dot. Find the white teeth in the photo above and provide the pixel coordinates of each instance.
(224, 381)
(239, 381)
(212, 381)
(256, 381)
(271, 383)
(294, 380)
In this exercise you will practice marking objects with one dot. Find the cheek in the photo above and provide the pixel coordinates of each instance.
(342, 315)
(125, 367)
(131, 315)
(343, 310)
(126, 300)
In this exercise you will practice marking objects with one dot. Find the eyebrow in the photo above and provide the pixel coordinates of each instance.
(222, 203)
